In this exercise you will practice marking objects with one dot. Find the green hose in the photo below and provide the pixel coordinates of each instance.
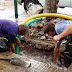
(19, 36)
(34, 20)
(17, 46)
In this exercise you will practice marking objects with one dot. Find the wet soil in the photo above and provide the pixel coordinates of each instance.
(41, 55)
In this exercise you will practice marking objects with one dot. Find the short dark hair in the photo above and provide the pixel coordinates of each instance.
(24, 29)
(49, 26)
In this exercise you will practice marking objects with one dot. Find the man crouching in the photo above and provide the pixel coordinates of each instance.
(9, 31)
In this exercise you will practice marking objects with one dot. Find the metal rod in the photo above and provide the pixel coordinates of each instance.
(15, 7)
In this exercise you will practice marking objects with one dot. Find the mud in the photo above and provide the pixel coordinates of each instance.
(41, 55)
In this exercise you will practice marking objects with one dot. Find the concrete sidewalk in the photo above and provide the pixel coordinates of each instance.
(36, 66)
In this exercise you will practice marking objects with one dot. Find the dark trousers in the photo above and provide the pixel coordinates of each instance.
(3, 45)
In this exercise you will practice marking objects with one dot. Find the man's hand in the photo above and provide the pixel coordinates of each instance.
(56, 38)
(17, 41)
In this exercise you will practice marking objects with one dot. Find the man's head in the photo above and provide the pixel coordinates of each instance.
(23, 30)
(49, 28)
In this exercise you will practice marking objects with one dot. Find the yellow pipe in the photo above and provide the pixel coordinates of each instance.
(47, 15)
(43, 9)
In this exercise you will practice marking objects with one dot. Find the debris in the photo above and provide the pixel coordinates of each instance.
(36, 43)
(43, 38)
(18, 62)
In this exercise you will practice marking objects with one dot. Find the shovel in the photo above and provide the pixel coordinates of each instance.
(17, 62)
